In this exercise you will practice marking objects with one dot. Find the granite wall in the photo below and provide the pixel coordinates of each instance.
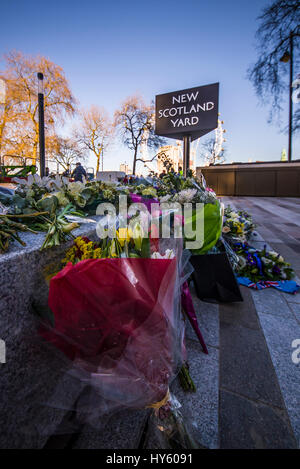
(32, 372)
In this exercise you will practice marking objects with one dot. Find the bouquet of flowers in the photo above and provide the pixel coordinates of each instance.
(60, 199)
(237, 225)
(117, 318)
(262, 265)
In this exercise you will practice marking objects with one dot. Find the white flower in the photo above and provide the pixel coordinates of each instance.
(186, 195)
(280, 259)
(169, 254)
(273, 253)
(33, 179)
(266, 261)
(75, 187)
(165, 198)
(59, 182)
(62, 199)
(234, 215)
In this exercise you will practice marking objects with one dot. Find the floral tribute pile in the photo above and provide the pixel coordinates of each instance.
(237, 225)
(117, 317)
(56, 206)
(258, 269)
(117, 303)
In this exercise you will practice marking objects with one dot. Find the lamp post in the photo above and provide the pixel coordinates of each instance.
(41, 123)
(288, 57)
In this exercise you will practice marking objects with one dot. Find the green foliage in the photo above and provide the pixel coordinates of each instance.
(212, 226)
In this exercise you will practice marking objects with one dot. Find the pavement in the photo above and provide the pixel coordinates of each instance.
(260, 384)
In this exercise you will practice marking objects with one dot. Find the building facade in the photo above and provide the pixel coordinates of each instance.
(174, 153)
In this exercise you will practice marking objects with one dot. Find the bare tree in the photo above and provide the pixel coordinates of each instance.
(209, 152)
(95, 131)
(268, 75)
(135, 121)
(65, 151)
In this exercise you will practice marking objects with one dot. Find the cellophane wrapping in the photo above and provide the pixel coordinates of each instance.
(118, 322)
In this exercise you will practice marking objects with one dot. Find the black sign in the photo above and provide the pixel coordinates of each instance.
(191, 112)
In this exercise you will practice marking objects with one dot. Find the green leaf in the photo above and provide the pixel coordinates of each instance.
(6, 199)
(145, 250)
(48, 204)
(87, 194)
(19, 202)
(212, 227)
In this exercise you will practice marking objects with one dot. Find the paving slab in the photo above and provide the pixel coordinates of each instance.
(208, 320)
(122, 431)
(294, 299)
(270, 301)
(280, 333)
(245, 424)
(202, 406)
(295, 307)
(245, 365)
(240, 313)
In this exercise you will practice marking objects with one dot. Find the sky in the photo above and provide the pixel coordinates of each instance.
(111, 50)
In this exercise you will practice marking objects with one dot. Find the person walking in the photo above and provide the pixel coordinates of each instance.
(79, 172)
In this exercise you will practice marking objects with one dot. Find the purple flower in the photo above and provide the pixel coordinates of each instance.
(276, 270)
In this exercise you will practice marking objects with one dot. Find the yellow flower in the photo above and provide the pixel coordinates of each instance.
(88, 250)
(97, 253)
(112, 249)
(70, 255)
(123, 236)
(137, 234)
(149, 191)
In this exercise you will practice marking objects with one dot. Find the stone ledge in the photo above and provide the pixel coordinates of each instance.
(32, 372)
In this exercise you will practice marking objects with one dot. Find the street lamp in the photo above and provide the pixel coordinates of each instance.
(41, 123)
(288, 57)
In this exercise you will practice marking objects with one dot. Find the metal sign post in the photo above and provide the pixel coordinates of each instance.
(187, 115)
(186, 154)
(41, 124)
